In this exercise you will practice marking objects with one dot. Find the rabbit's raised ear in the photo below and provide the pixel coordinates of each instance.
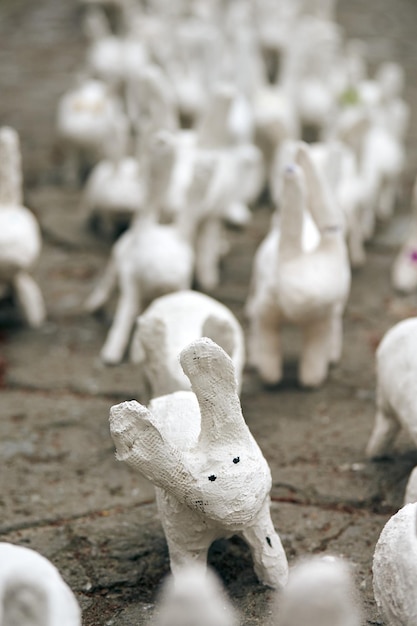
(323, 206)
(140, 444)
(293, 203)
(213, 380)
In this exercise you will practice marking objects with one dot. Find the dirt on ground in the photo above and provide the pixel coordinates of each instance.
(61, 490)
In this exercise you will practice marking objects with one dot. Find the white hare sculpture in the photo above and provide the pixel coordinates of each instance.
(111, 58)
(147, 261)
(85, 118)
(114, 191)
(394, 568)
(308, 289)
(396, 370)
(169, 324)
(32, 591)
(20, 237)
(211, 478)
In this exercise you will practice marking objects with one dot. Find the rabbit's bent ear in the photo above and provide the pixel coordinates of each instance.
(213, 380)
(206, 363)
(139, 443)
(325, 212)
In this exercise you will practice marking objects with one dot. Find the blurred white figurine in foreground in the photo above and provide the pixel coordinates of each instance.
(32, 592)
(319, 592)
(195, 597)
(305, 288)
(20, 237)
(404, 270)
(211, 478)
(395, 568)
(396, 372)
(169, 324)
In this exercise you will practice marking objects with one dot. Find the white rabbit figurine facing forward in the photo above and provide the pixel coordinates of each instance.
(20, 237)
(211, 478)
(308, 289)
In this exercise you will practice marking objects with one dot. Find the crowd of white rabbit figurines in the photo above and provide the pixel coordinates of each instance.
(183, 115)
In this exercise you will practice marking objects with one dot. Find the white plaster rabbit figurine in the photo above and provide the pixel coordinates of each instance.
(394, 568)
(150, 259)
(308, 289)
(396, 372)
(404, 269)
(195, 596)
(211, 478)
(320, 592)
(32, 592)
(114, 59)
(169, 324)
(308, 71)
(339, 165)
(20, 237)
(85, 118)
(115, 189)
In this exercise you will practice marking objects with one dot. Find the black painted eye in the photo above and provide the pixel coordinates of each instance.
(212, 478)
(236, 460)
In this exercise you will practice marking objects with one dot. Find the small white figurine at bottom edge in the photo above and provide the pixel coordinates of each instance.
(320, 592)
(211, 478)
(32, 591)
(195, 597)
(395, 568)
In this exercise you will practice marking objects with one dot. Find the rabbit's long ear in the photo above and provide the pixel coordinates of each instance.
(293, 204)
(213, 380)
(212, 131)
(323, 206)
(140, 444)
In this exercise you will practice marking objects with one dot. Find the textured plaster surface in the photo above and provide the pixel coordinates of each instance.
(61, 490)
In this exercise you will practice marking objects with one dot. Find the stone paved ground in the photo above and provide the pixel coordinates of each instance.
(61, 490)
